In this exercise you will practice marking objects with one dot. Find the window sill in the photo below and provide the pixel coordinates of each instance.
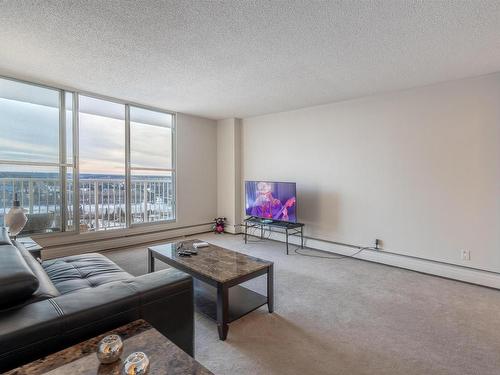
(65, 238)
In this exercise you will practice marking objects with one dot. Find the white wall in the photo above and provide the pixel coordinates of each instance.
(196, 170)
(229, 172)
(419, 169)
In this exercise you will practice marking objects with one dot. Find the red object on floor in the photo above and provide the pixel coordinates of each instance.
(219, 224)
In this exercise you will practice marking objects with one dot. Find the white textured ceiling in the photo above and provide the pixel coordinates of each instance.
(244, 58)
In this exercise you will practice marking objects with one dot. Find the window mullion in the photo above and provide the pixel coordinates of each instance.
(62, 158)
(76, 164)
(173, 146)
(128, 187)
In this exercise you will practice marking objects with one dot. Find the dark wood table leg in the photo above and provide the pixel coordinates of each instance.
(270, 288)
(246, 228)
(302, 237)
(151, 262)
(222, 311)
(286, 241)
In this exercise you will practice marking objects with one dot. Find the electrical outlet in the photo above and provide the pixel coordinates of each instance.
(465, 254)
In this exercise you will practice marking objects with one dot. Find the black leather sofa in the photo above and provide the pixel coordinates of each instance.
(45, 307)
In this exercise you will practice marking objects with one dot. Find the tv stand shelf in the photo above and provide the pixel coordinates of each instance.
(284, 227)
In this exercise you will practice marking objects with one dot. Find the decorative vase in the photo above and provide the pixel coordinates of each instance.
(110, 349)
(136, 364)
(16, 218)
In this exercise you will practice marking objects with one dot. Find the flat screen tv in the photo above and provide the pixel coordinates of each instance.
(271, 200)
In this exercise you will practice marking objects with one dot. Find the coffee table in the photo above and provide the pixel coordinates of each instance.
(81, 359)
(218, 273)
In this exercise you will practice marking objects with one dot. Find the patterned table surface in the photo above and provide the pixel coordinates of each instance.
(81, 359)
(213, 261)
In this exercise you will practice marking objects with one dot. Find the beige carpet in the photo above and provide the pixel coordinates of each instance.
(349, 317)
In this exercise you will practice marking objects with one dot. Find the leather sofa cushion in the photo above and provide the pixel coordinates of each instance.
(17, 280)
(77, 272)
(46, 289)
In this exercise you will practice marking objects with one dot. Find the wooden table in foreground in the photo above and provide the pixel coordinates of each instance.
(81, 359)
(218, 273)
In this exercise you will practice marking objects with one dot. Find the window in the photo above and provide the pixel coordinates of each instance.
(109, 165)
(29, 118)
(102, 164)
(31, 164)
(69, 170)
(152, 174)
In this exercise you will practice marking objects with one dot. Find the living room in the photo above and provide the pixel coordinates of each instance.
(292, 187)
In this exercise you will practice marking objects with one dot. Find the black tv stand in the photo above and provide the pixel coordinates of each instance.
(289, 229)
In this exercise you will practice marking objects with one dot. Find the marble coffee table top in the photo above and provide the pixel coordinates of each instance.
(215, 262)
(81, 359)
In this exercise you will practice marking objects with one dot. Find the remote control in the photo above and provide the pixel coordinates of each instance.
(197, 245)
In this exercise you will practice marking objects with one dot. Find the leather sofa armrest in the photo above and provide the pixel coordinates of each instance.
(27, 331)
(158, 284)
(167, 300)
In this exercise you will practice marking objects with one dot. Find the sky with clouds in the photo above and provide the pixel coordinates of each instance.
(29, 132)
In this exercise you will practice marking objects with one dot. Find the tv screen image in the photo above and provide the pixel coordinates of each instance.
(271, 200)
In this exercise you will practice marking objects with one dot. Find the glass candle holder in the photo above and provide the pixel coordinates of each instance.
(110, 349)
(136, 364)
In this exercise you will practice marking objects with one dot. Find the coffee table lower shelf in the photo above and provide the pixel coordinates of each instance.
(241, 301)
(217, 275)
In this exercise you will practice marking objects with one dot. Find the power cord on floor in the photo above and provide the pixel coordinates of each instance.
(296, 250)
